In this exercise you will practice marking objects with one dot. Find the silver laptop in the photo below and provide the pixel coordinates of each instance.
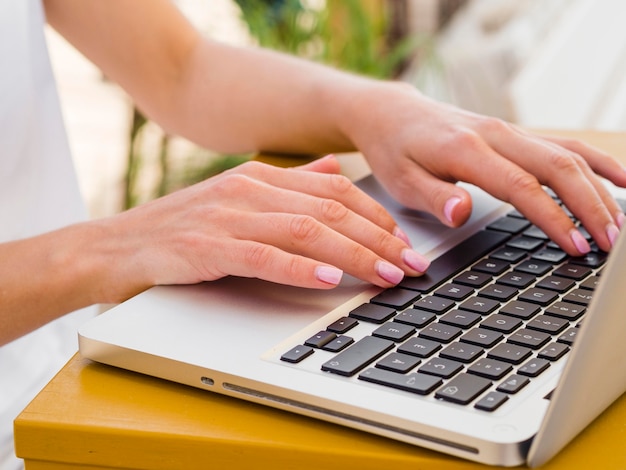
(493, 356)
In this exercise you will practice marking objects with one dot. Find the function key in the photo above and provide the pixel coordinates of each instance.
(491, 402)
(509, 224)
(342, 325)
(297, 354)
(373, 313)
(525, 243)
(396, 298)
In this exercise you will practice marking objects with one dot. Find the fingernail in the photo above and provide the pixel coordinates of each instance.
(620, 219)
(389, 272)
(579, 242)
(448, 208)
(415, 260)
(612, 232)
(399, 233)
(328, 274)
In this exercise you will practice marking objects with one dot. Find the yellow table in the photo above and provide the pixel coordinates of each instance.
(92, 416)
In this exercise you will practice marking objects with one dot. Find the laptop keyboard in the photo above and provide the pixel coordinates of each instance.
(492, 314)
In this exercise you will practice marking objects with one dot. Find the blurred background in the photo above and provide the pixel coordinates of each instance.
(550, 64)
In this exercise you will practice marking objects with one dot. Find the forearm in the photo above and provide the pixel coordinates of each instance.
(47, 276)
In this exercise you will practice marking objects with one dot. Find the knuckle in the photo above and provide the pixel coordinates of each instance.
(495, 125)
(234, 183)
(304, 228)
(521, 182)
(258, 256)
(341, 184)
(564, 161)
(332, 211)
(464, 138)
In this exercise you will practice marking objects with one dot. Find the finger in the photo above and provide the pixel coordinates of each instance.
(569, 176)
(418, 189)
(328, 186)
(339, 218)
(307, 237)
(247, 258)
(327, 164)
(481, 165)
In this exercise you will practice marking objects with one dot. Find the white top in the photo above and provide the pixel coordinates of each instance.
(38, 193)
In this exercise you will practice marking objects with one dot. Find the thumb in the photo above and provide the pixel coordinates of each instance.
(327, 164)
(450, 203)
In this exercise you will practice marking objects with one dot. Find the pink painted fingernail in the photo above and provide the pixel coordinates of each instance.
(579, 242)
(448, 208)
(389, 272)
(612, 232)
(620, 219)
(329, 274)
(399, 233)
(415, 260)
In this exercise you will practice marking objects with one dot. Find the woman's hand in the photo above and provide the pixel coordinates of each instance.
(302, 226)
(420, 148)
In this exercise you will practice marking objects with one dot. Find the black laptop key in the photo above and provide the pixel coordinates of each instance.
(512, 255)
(568, 336)
(553, 351)
(498, 292)
(548, 324)
(535, 232)
(533, 367)
(463, 389)
(516, 279)
(519, 309)
(394, 331)
(579, 296)
(590, 283)
(320, 339)
(566, 310)
(556, 283)
(534, 267)
(297, 354)
(509, 224)
(513, 384)
(491, 266)
(592, 260)
(454, 291)
(441, 367)
(440, 332)
(338, 344)
(491, 402)
(472, 279)
(342, 325)
(415, 317)
(490, 368)
(550, 255)
(434, 303)
(525, 243)
(373, 313)
(396, 298)
(460, 318)
(421, 384)
(462, 255)
(420, 347)
(502, 323)
(511, 353)
(572, 271)
(357, 356)
(482, 337)
(529, 338)
(480, 305)
(538, 296)
(398, 362)
(462, 352)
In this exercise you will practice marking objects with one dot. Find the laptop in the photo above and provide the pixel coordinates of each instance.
(492, 356)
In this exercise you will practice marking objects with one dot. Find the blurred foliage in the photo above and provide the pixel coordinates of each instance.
(351, 35)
